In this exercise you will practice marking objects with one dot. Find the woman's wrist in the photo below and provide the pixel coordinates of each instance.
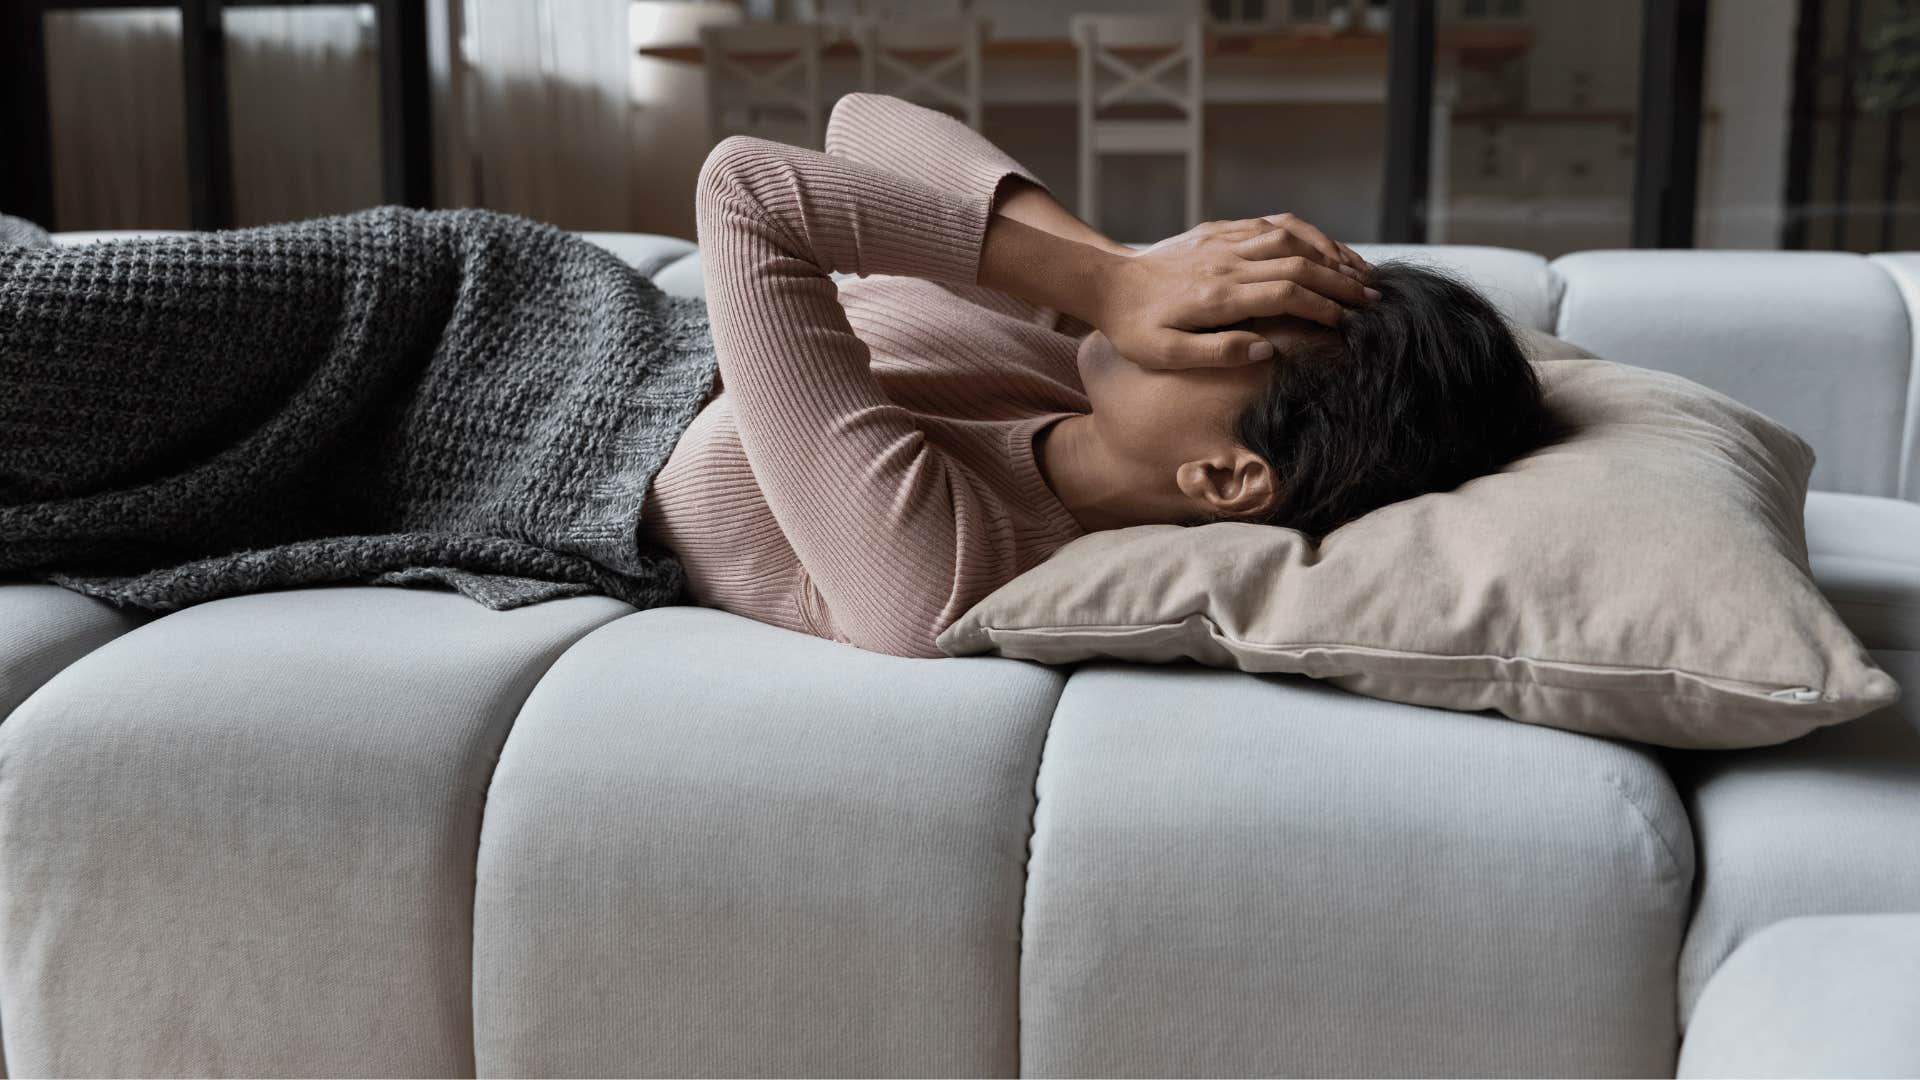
(1033, 205)
(1050, 270)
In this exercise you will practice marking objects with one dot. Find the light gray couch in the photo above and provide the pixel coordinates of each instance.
(376, 831)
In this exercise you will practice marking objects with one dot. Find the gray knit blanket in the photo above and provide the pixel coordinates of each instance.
(457, 398)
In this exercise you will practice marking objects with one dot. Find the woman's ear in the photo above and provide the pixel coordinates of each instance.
(1237, 484)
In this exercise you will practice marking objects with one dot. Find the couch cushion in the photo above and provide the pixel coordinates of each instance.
(43, 628)
(239, 840)
(682, 277)
(1866, 558)
(1832, 996)
(1256, 875)
(1817, 340)
(1828, 824)
(715, 847)
(645, 252)
(1519, 282)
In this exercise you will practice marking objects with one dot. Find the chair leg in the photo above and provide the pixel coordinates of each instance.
(1089, 189)
(1196, 200)
(1089, 183)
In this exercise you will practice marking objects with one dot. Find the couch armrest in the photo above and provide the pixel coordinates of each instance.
(1813, 996)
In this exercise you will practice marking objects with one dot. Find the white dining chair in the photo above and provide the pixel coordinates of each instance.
(764, 79)
(934, 62)
(1157, 59)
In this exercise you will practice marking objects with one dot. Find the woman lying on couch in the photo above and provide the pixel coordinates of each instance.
(891, 450)
(470, 399)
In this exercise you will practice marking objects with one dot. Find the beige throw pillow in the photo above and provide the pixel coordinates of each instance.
(1541, 345)
(1643, 576)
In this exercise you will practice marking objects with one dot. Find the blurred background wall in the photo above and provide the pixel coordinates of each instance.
(544, 108)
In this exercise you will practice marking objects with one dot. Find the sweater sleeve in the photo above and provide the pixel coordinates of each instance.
(898, 537)
(932, 148)
(918, 143)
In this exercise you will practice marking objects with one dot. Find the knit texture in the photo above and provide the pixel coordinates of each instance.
(869, 473)
(456, 398)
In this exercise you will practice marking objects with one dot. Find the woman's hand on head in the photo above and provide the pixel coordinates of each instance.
(1338, 255)
(1160, 306)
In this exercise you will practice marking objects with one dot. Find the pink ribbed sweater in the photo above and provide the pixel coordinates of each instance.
(867, 473)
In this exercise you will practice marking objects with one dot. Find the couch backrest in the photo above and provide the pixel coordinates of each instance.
(1522, 283)
(1821, 341)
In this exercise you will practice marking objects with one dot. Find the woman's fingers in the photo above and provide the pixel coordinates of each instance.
(1309, 238)
(1227, 348)
(1278, 243)
(1269, 298)
(1312, 275)
(1240, 229)
(1165, 309)
(1309, 233)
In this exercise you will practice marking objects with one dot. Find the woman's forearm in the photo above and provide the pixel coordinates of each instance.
(938, 151)
(1040, 265)
(1033, 205)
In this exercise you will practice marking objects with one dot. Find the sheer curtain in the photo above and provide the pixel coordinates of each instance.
(119, 134)
(536, 119)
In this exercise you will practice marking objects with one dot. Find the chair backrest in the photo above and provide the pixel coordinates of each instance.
(764, 72)
(933, 62)
(1173, 76)
(1147, 59)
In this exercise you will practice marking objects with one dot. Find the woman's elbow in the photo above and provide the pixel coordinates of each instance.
(849, 119)
(728, 164)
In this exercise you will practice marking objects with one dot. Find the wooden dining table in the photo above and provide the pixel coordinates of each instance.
(1473, 45)
(1308, 64)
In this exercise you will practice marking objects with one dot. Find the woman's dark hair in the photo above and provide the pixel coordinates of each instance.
(1419, 391)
